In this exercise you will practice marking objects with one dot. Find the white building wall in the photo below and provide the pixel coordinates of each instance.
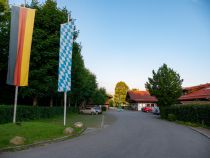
(142, 105)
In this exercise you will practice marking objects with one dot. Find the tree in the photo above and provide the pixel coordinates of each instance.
(111, 103)
(84, 82)
(120, 93)
(89, 86)
(77, 74)
(5, 91)
(166, 85)
(99, 97)
(4, 6)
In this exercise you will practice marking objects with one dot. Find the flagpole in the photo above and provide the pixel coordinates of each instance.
(24, 5)
(16, 91)
(65, 96)
(64, 121)
(15, 104)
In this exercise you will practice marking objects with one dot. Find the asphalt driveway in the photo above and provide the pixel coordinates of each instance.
(132, 135)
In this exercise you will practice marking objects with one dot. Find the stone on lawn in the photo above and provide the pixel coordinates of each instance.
(78, 124)
(17, 140)
(68, 131)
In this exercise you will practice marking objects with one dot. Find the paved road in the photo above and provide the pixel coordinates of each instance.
(133, 135)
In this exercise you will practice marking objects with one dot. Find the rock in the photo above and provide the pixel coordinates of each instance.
(68, 131)
(17, 140)
(78, 124)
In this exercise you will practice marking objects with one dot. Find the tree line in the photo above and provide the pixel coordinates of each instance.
(43, 71)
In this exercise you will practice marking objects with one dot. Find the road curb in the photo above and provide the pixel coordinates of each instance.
(22, 147)
(198, 131)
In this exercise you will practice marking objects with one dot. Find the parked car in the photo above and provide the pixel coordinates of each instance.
(89, 110)
(147, 109)
(98, 109)
(119, 109)
(156, 110)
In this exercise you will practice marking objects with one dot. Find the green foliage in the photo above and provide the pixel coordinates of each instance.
(121, 89)
(3, 6)
(5, 91)
(84, 84)
(103, 108)
(166, 85)
(189, 113)
(111, 103)
(171, 117)
(25, 113)
(99, 97)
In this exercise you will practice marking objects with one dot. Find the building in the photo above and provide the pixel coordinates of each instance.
(139, 99)
(196, 95)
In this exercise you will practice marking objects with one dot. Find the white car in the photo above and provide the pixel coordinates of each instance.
(88, 110)
(91, 110)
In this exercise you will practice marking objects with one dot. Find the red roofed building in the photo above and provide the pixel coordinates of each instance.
(196, 94)
(140, 99)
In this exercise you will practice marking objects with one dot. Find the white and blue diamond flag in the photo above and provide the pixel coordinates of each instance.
(65, 56)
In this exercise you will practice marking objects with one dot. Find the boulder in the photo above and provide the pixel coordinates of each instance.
(17, 140)
(68, 131)
(78, 124)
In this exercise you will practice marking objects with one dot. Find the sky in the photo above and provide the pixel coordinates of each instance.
(124, 40)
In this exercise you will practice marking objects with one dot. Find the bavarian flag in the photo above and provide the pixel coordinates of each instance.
(21, 30)
(65, 56)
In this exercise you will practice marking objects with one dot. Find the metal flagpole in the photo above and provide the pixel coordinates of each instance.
(64, 121)
(24, 4)
(15, 104)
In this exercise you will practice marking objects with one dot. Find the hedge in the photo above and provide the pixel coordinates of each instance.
(25, 113)
(189, 113)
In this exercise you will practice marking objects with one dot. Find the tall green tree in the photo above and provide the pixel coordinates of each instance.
(77, 74)
(5, 91)
(89, 86)
(166, 85)
(121, 89)
(100, 96)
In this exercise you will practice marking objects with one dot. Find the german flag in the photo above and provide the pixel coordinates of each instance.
(21, 30)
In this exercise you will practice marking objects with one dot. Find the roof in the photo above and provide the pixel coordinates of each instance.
(196, 88)
(200, 94)
(140, 96)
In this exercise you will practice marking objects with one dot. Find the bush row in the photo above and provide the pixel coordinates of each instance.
(25, 113)
(188, 113)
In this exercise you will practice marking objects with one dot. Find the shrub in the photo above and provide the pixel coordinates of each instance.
(189, 113)
(171, 117)
(25, 113)
(103, 108)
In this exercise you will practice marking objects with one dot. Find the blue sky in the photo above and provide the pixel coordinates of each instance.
(124, 40)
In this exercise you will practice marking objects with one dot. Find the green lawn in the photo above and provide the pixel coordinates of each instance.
(35, 131)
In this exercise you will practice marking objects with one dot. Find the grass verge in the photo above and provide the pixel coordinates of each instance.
(192, 124)
(46, 129)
